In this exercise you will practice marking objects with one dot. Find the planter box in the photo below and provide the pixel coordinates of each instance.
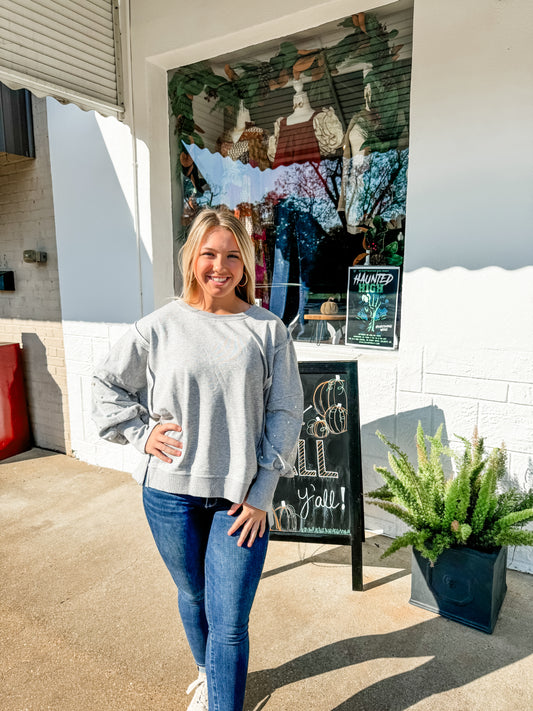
(464, 585)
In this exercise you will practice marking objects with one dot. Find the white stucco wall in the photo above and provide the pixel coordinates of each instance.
(100, 257)
(466, 350)
(92, 176)
(470, 157)
(468, 287)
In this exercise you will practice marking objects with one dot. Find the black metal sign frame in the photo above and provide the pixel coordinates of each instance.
(372, 306)
(323, 502)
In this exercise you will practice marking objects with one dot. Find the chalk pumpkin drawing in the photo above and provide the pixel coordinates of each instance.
(323, 501)
(318, 506)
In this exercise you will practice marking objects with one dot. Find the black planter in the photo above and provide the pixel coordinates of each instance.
(464, 585)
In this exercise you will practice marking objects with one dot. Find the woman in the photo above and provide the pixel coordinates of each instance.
(208, 387)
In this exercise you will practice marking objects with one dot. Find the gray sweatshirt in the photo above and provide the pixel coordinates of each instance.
(230, 381)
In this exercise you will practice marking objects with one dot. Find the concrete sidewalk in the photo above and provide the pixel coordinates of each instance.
(89, 616)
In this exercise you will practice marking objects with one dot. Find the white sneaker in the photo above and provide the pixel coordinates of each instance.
(199, 700)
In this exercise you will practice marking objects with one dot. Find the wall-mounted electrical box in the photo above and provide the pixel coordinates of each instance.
(31, 256)
(7, 281)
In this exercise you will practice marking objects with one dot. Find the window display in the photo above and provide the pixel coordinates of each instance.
(306, 141)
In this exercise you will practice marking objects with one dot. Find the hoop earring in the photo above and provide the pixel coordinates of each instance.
(246, 280)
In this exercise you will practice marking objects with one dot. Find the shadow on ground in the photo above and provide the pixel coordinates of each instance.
(459, 655)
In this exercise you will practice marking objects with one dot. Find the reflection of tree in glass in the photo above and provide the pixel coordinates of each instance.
(312, 187)
(374, 309)
(382, 187)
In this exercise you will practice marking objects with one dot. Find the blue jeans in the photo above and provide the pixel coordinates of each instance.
(216, 583)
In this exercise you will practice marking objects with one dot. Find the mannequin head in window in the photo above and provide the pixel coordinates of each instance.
(300, 99)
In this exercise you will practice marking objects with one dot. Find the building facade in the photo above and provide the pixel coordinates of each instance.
(465, 352)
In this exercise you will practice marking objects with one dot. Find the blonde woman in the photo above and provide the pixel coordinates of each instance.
(208, 387)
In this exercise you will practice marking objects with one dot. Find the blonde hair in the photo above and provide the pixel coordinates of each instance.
(203, 223)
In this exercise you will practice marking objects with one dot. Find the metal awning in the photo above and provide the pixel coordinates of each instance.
(68, 49)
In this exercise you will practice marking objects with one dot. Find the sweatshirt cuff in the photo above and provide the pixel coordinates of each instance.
(137, 432)
(262, 490)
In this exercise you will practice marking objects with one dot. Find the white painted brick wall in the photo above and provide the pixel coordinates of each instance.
(428, 379)
(396, 390)
(509, 422)
(377, 395)
(31, 315)
(521, 393)
(86, 345)
(411, 371)
(463, 387)
(445, 363)
(521, 469)
(482, 363)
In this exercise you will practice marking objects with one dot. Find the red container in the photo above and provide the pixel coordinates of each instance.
(15, 434)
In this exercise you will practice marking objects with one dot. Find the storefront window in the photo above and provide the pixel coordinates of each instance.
(306, 140)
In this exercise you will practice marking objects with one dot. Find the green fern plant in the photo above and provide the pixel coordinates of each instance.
(466, 510)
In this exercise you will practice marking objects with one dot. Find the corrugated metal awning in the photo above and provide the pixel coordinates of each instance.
(69, 49)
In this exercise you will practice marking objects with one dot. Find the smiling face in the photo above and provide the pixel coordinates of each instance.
(218, 267)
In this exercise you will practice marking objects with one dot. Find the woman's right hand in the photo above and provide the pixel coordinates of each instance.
(160, 445)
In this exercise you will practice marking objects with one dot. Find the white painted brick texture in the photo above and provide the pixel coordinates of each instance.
(466, 372)
(31, 315)
(86, 344)
(396, 390)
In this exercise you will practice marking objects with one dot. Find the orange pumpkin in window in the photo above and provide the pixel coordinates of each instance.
(329, 307)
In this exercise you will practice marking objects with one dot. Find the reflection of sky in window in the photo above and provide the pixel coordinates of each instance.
(373, 185)
(307, 185)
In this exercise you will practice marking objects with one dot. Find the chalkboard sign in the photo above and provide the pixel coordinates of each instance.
(323, 500)
(372, 306)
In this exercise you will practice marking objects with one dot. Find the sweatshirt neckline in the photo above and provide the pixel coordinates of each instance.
(221, 317)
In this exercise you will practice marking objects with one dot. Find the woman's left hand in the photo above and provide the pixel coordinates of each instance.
(252, 521)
